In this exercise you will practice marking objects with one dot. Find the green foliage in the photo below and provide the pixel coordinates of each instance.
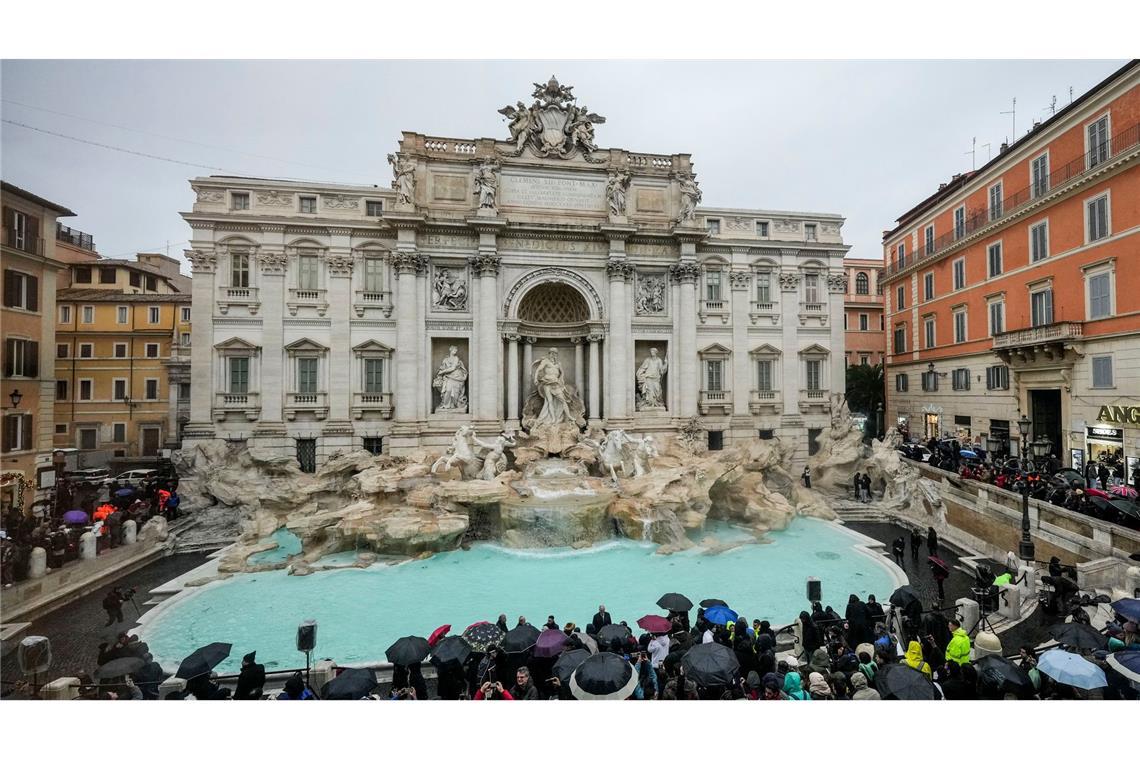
(865, 391)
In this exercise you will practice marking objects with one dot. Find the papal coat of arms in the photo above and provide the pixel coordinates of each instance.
(553, 125)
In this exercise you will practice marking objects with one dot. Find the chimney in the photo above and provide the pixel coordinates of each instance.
(941, 185)
(1004, 147)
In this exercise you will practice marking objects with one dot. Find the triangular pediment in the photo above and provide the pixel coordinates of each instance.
(236, 344)
(305, 344)
(814, 350)
(371, 347)
(715, 349)
(765, 350)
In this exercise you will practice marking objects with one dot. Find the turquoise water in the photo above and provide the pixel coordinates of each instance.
(287, 545)
(360, 612)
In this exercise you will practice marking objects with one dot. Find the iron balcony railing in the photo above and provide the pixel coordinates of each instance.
(74, 237)
(979, 219)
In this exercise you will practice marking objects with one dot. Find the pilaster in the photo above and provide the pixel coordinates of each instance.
(512, 381)
(487, 357)
(686, 274)
(339, 267)
(203, 263)
(741, 285)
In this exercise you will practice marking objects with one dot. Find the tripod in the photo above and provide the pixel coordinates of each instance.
(982, 596)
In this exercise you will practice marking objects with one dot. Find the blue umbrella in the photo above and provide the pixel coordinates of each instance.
(1127, 663)
(1071, 669)
(968, 454)
(1127, 608)
(721, 615)
(76, 517)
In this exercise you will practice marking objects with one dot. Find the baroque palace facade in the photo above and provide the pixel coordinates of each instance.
(331, 317)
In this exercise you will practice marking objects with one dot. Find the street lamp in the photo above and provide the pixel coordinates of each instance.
(880, 421)
(1025, 548)
(16, 397)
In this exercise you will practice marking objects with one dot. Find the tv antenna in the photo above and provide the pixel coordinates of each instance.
(1070, 94)
(989, 150)
(972, 153)
(1013, 113)
(1053, 106)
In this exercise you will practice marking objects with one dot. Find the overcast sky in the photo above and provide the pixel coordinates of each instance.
(866, 140)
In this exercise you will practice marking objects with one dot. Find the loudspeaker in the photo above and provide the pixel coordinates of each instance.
(814, 589)
(34, 655)
(307, 636)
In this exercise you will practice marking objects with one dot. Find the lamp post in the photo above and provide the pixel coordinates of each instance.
(1025, 548)
(16, 397)
(880, 421)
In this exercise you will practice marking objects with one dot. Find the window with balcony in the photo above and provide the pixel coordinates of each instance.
(307, 374)
(239, 201)
(1039, 241)
(1102, 371)
(862, 284)
(373, 376)
(307, 272)
(960, 379)
(1098, 219)
(959, 222)
(928, 235)
(811, 288)
(928, 332)
(1100, 294)
(21, 290)
(814, 368)
(901, 382)
(900, 255)
(764, 375)
(993, 256)
(238, 374)
(960, 334)
(763, 287)
(712, 285)
(374, 208)
(714, 375)
(1098, 147)
(928, 286)
(1041, 307)
(239, 270)
(373, 275)
(995, 201)
(308, 204)
(21, 358)
(959, 268)
(997, 378)
(1039, 169)
(997, 317)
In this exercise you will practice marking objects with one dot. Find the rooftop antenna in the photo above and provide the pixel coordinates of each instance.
(972, 153)
(1053, 106)
(1013, 113)
(989, 150)
(1070, 94)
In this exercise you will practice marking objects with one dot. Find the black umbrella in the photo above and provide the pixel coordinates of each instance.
(706, 603)
(711, 665)
(1078, 635)
(675, 602)
(519, 639)
(408, 650)
(904, 596)
(613, 634)
(1003, 675)
(203, 660)
(482, 635)
(568, 661)
(451, 651)
(603, 676)
(118, 668)
(903, 682)
(354, 683)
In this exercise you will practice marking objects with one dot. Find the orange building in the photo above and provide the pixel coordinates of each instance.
(1016, 289)
(863, 320)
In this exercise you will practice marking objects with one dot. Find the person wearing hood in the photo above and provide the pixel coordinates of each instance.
(251, 679)
(818, 688)
(793, 688)
(752, 685)
(860, 688)
(915, 659)
(808, 634)
(502, 622)
(858, 621)
(820, 662)
(954, 685)
(958, 650)
(867, 667)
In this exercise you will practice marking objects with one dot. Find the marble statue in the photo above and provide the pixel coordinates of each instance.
(690, 198)
(495, 459)
(650, 375)
(650, 297)
(451, 382)
(616, 190)
(612, 453)
(552, 125)
(645, 451)
(580, 132)
(448, 292)
(551, 386)
(405, 182)
(487, 183)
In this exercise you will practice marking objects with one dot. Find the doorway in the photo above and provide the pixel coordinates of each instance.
(1045, 412)
(150, 441)
(307, 454)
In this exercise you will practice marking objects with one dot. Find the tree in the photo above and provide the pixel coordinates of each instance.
(866, 389)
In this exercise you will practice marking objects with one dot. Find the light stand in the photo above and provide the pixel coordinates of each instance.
(1025, 548)
(307, 642)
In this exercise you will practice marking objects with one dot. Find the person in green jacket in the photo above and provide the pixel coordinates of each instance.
(958, 649)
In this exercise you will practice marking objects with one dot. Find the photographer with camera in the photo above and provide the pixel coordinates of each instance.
(491, 691)
(113, 604)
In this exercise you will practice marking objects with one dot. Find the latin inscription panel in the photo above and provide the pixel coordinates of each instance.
(544, 191)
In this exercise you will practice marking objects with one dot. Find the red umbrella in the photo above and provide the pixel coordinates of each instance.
(1126, 491)
(655, 624)
(1098, 492)
(939, 562)
(438, 634)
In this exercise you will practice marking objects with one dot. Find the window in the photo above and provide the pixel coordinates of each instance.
(864, 359)
(373, 275)
(86, 350)
(997, 317)
(85, 391)
(1041, 307)
(712, 285)
(185, 313)
(307, 374)
(811, 288)
(239, 374)
(119, 391)
(122, 315)
(151, 283)
(997, 378)
(62, 350)
(900, 298)
(762, 229)
(21, 291)
(65, 315)
(17, 432)
(1098, 141)
(994, 256)
(1039, 241)
(881, 322)
(995, 201)
(119, 432)
(766, 434)
(928, 286)
(239, 270)
(1102, 372)
(152, 350)
(713, 226)
(764, 375)
(239, 201)
(901, 382)
(959, 222)
(135, 279)
(1040, 171)
(900, 255)
(373, 208)
(373, 375)
(959, 274)
(153, 315)
(862, 284)
(1100, 295)
(308, 204)
(928, 332)
(374, 446)
(810, 234)
(814, 373)
(960, 334)
(929, 238)
(184, 339)
(1097, 213)
(83, 274)
(151, 389)
(900, 339)
(714, 375)
(184, 391)
(88, 315)
(88, 438)
(20, 229)
(61, 428)
(21, 359)
(120, 350)
(107, 275)
(864, 323)
(960, 380)
(307, 272)
(764, 287)
(930, 381)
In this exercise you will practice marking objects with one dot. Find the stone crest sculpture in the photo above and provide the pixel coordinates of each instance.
(616, 191)
(650, 376)
(690, 198)
(405, 179)
(650, 296)
(451, 382)
(448, 291)
(487, 183)
(553, 125)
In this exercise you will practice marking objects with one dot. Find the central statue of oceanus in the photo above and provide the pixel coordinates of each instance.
(553, 414)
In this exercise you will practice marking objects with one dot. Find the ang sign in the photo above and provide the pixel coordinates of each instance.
(1124, 414)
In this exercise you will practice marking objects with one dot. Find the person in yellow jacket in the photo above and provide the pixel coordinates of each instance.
(915, 659)
(958, 649)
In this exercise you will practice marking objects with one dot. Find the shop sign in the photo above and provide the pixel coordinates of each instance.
(1124, 414)
(1105, 433)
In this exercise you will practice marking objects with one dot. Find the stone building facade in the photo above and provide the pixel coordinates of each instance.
(332, 317)
(863, 321)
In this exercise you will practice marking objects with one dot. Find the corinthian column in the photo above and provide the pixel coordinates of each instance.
(487, 392)
(340, 349)
(619, 346)
(686, 274)
(407, 335)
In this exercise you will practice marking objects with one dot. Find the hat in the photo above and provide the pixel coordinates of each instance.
(251, 656)
(753, 680)
(858, 680)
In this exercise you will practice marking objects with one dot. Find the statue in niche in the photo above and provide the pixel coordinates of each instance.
(550, 384)
(616, 190)
(690, 198)
(451, 382)
(448, 292)
(405, 182)
(650, 298)
(487, 183)
(650, 375)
